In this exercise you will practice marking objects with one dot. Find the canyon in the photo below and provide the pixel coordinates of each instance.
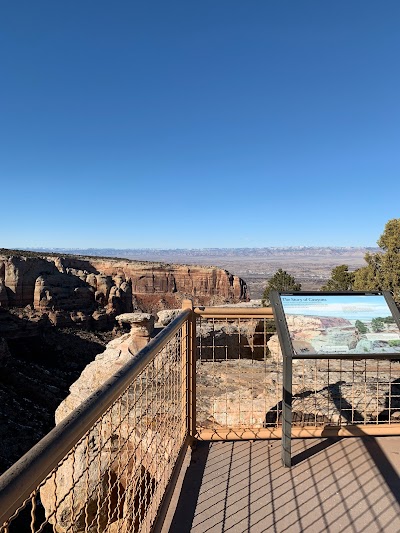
(57, 313)
(64, 325)
(310, 265)
(91, 291)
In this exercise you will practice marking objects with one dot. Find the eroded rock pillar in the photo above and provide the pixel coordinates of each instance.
(141, 327)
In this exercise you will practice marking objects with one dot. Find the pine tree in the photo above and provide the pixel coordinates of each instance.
(362, 328)
(280, 281)
(383, 268)
(341, 279)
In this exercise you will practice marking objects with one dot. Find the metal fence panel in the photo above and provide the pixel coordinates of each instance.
(114, 477)
(239, 384)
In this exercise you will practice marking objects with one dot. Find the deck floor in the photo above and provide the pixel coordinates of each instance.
(335, 485)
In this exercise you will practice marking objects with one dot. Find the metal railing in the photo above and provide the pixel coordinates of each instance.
(237, 380)
(239, 384)
(108, 466)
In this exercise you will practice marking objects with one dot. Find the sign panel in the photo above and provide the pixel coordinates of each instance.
(328, 323)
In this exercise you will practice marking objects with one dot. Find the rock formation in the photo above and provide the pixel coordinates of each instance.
(77, 481)
(141, 326)
(92, 291)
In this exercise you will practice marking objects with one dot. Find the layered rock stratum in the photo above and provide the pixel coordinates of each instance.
(82, 290)
(38, 362)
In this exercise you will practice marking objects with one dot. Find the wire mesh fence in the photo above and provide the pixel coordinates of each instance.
(339, 392)
(114, 477)
(239, 383)
(237, 379)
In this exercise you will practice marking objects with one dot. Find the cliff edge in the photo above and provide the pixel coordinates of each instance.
(81, 290)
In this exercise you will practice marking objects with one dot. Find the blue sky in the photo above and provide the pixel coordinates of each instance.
(198, 124)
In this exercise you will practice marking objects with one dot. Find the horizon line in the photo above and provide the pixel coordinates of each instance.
(153, 248)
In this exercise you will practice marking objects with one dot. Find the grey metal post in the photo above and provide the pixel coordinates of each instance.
(287, 353)
(286, 452)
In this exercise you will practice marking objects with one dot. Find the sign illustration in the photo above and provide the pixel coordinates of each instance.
(342, 324)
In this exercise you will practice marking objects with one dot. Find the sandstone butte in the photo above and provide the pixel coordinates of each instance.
(76, 289)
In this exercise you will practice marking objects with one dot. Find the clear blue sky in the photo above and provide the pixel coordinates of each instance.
(212, 123)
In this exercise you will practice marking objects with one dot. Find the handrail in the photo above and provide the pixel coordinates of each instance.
(234, 312)
(19, 481)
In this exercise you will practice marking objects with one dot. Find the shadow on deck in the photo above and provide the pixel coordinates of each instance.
(335, 485)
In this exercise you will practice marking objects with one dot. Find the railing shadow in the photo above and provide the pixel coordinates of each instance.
(336, 483)
(350, 414)
(308, 453)
(392, 401)
(372, 446)
(187, 503)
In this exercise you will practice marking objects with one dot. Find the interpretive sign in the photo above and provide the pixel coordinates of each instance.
(321, 324)
(317, 325)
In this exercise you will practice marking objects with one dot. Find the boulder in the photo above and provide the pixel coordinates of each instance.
(60, 319)
(166, 316)
(100, 320)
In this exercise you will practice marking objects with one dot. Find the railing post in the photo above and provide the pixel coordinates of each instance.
(189, 360)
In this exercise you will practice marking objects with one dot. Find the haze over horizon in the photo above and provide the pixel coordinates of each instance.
(180, 253)
(198, 125)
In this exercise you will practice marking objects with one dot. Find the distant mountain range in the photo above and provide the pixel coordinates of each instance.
(154, 253)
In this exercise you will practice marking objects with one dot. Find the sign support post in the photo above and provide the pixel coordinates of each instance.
(287, 411)
(287, 354)
(310, 324)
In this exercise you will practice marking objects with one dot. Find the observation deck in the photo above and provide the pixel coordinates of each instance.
(186, 437)
(349, 484)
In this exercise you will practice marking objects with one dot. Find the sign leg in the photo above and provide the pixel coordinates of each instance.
(287, 412)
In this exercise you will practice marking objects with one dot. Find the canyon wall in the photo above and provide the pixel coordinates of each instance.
(93, 290)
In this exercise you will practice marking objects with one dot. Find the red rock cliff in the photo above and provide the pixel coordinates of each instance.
(89, 288)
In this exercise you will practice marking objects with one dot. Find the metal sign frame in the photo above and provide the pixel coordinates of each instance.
(289, 353)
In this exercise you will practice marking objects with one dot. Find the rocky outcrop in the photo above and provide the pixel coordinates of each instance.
(141, 326)
(166, 316)
(150, 281)
(79, 481)
(3, 295)
(93, 290)
(248, 393)
(107, 363)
